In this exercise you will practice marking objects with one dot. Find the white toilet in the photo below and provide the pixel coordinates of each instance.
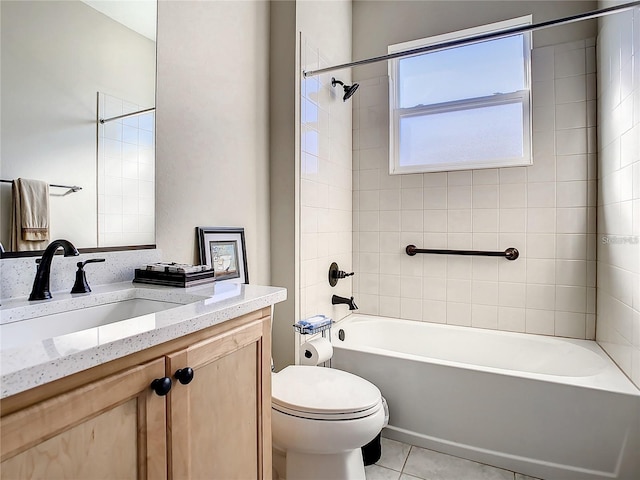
(321, 417)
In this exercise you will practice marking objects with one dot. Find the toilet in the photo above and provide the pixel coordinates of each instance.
(321, 417)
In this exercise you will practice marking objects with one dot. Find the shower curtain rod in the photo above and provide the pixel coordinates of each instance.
(132, 114)
(478, 38)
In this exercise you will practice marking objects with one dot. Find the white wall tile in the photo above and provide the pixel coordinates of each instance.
(570, 324)
(411, 199)
(541, 322)
(571, 167)
(541, 271)
(459, 313)
(541, 220)
(435, 221)
(571, 299)
(459, 220)
(485, 196)
(485, 293)
(434, 311)
(459, 197)
(572, 194)
(541, 297)
(541, 245)
(435, 197)
(458, 290)
(484, 316)
(511, 319)
(411, 308)
(571, 89)
(570, 63)
(389, 306)
(512, 294)
(513, 195)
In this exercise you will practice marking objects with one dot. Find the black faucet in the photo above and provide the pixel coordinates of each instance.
(336, 300)
(40, 290)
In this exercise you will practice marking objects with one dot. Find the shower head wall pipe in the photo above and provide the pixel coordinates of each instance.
(349, 90)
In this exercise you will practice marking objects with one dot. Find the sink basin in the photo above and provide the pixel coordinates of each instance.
(56, 324)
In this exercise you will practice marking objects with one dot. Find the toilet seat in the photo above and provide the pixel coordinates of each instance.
(324, 394)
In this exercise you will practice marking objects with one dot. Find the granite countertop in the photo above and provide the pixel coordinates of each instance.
(34, 363)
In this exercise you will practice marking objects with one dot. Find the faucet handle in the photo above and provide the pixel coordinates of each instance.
(91, 260)
(343, 274)
(81, 285)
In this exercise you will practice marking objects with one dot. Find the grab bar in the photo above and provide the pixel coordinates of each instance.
(510, 253)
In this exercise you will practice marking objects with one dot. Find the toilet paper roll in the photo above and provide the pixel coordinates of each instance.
(315, 352)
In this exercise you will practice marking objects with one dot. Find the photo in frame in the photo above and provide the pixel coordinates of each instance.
(223, 249)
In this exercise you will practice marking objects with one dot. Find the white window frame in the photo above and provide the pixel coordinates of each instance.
(522, 96)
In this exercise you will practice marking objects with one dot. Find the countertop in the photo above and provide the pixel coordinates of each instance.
(33, 364)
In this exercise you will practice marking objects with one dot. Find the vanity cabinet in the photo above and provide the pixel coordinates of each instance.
(111, 428)
(214, 422)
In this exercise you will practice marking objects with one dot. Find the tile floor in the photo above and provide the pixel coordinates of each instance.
(400, 461)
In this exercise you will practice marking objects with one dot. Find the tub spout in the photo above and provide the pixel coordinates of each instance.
(336, 300)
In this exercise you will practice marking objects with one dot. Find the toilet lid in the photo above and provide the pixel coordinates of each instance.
(317, 391)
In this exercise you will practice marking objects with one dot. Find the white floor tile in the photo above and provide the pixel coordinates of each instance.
(437, 466)
(394, 454)
(375, 472)
(404, 476)
(520, 476)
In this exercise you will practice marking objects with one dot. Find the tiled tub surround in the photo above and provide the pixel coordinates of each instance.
(527, 403)
(325, 187)
(547, 211)
(619, 190)
(34, 364)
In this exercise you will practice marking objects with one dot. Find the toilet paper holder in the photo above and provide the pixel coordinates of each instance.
(323, 329)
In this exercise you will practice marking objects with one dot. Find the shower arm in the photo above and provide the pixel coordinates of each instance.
(478, 38)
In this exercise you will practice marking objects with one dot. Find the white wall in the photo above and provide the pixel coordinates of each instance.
(212, 126)
(618, 329)
(56, 56)
(547, 210)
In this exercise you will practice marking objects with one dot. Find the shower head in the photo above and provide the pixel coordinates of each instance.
(349, 90)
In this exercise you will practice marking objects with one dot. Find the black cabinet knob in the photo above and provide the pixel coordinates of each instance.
(161, 386)
(184, 375)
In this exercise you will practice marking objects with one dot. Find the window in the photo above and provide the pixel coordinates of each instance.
(464, 107)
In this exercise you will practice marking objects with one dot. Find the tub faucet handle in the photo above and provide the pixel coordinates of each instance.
(336, 274)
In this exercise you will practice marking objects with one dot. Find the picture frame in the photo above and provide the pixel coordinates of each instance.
(223, 249)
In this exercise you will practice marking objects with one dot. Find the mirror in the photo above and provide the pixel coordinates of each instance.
(65, 65)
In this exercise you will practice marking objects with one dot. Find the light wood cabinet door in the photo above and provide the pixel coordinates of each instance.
(220, 422)
(113, 428)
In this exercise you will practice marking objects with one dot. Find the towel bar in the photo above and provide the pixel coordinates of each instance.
(72, 188)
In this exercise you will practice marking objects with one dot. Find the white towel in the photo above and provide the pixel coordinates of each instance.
(30, 218)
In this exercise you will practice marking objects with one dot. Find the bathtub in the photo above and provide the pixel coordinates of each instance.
(548, 407)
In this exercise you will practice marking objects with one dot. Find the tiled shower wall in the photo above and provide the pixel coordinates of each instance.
(325, 188)
(547, 211)
(619, 190)
(126, 175)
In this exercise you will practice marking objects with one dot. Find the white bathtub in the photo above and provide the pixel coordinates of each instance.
(548, 407)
